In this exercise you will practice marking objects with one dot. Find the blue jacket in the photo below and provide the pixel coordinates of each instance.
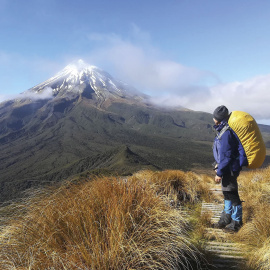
(228, 151)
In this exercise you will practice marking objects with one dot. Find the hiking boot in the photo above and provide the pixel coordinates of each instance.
(225, 219)
(234, 226)
(236, 222)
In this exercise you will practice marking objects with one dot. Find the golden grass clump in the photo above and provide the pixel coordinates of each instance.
(179, 186)
(107, 223)
(255, 187)
(261, 258)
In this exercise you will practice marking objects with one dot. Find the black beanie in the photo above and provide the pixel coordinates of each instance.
(220, 113)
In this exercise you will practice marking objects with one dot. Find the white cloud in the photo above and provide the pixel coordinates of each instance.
(141, 64)
(47, 93)
(252, 96)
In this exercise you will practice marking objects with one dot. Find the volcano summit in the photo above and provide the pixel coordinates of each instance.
(82, 119)
(79, 78)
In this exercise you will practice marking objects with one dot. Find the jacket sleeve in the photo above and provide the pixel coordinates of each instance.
(227, 146)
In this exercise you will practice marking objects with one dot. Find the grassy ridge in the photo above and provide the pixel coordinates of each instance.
(128, 223)
(107, 223)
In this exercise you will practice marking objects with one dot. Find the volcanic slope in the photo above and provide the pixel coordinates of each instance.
(83, 119)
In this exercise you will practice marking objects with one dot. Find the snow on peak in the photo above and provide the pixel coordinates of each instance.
(78, 76)
(77, 72)
(77, 67)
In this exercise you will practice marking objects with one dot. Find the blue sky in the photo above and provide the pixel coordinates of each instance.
(198, 53)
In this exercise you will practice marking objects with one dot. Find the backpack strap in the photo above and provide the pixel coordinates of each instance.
(225, 128)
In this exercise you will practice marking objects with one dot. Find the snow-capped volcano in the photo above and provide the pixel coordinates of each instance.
(82, 78)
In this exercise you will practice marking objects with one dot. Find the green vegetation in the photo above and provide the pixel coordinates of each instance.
(57, 139)
(45, 142)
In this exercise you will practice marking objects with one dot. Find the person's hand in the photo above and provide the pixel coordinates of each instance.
(218, 179)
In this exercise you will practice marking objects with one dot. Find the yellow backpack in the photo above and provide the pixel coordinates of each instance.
(248, 132)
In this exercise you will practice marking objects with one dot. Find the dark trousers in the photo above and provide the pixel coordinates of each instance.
(230, 188)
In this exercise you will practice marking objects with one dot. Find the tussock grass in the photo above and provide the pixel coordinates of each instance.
(108, 223)
(185, 192)
(255, 186)
(179, 186)
(261, 258)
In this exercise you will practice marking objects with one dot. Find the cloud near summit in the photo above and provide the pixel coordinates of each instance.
(143, 65)
(170, 83)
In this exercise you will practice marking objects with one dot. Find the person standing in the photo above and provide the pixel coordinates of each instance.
(226, 149)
